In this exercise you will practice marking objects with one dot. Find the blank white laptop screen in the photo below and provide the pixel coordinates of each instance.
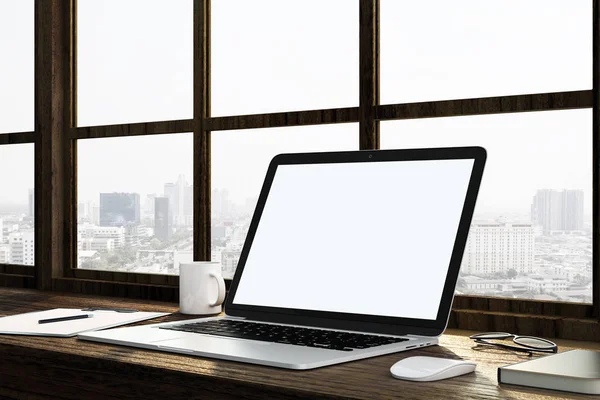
(370, 238)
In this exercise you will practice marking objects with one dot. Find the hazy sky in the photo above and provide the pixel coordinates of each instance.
(136, 65)
(526, 152)
(16, 67)
(273, 55)
(16, 173)
(132, 164)
(438, 50)
(135, 60)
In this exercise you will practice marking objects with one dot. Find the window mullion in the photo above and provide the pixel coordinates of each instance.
(202, 178)
(17, 138)
(369, 73)
(596, 158)
(51, 71)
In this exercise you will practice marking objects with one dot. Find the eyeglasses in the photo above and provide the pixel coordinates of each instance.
(526, 343)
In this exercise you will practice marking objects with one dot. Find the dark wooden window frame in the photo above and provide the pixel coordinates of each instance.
(56, 134)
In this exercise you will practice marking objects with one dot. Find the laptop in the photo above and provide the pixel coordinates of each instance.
(349, 255)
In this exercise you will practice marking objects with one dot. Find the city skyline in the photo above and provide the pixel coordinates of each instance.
(506, 254)
(26, 207)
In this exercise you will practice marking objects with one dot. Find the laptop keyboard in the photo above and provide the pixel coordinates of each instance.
(320, 338)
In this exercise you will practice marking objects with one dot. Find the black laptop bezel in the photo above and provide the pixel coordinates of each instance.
(359, 322)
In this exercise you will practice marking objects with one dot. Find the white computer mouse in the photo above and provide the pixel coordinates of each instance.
(425, 369)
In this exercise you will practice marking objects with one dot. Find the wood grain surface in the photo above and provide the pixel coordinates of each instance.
(36, 367)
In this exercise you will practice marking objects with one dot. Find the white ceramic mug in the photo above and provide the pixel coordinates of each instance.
(201, 288)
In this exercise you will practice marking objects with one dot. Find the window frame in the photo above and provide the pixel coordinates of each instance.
(11, 274)
(56, 134)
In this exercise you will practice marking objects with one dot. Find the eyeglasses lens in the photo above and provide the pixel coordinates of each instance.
(492, 335)
(534, 342)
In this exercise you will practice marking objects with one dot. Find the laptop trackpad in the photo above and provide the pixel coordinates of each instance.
(266, 353)
(208, 344)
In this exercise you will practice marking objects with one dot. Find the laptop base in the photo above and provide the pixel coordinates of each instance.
(248, 351)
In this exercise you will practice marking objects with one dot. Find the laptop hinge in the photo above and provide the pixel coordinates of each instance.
(232, 317)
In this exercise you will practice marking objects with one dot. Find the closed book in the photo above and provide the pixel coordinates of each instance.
(572, 371)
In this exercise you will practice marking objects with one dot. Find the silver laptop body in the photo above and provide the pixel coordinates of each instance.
(250, 351)
(365, 242)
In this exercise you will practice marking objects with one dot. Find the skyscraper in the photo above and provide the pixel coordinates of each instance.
(556, 210)
(94, 212)
(546, 209)
(82, 214)
(220, 203)
(499, 247)
(119, 209)
(4, 254)
(188, 206)
(181, 185)
(572, 215)
(21, 248)
(162, 218)
(172, 194)
(31, 203)
(180, 196)
(149, 206)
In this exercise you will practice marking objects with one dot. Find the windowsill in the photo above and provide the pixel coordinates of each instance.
(549, 319)
(76, 369)
(586, 329)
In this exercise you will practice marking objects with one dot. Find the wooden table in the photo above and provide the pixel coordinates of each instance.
(41, 368)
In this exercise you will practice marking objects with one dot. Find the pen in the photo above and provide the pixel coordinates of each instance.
(119, 310)
(60, 319)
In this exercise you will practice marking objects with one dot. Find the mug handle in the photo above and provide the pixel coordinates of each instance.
(221, 292)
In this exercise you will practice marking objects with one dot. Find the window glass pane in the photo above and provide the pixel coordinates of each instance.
(16, 67)
(134, 61)
(239, 164)
(531, 235)
(17, 204)
(439, 50)
(135, 203)
(272, 55)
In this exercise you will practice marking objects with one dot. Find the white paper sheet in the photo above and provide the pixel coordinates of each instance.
(27, 324)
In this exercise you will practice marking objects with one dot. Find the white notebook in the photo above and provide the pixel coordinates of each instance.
(572, 371)
(27, 324)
